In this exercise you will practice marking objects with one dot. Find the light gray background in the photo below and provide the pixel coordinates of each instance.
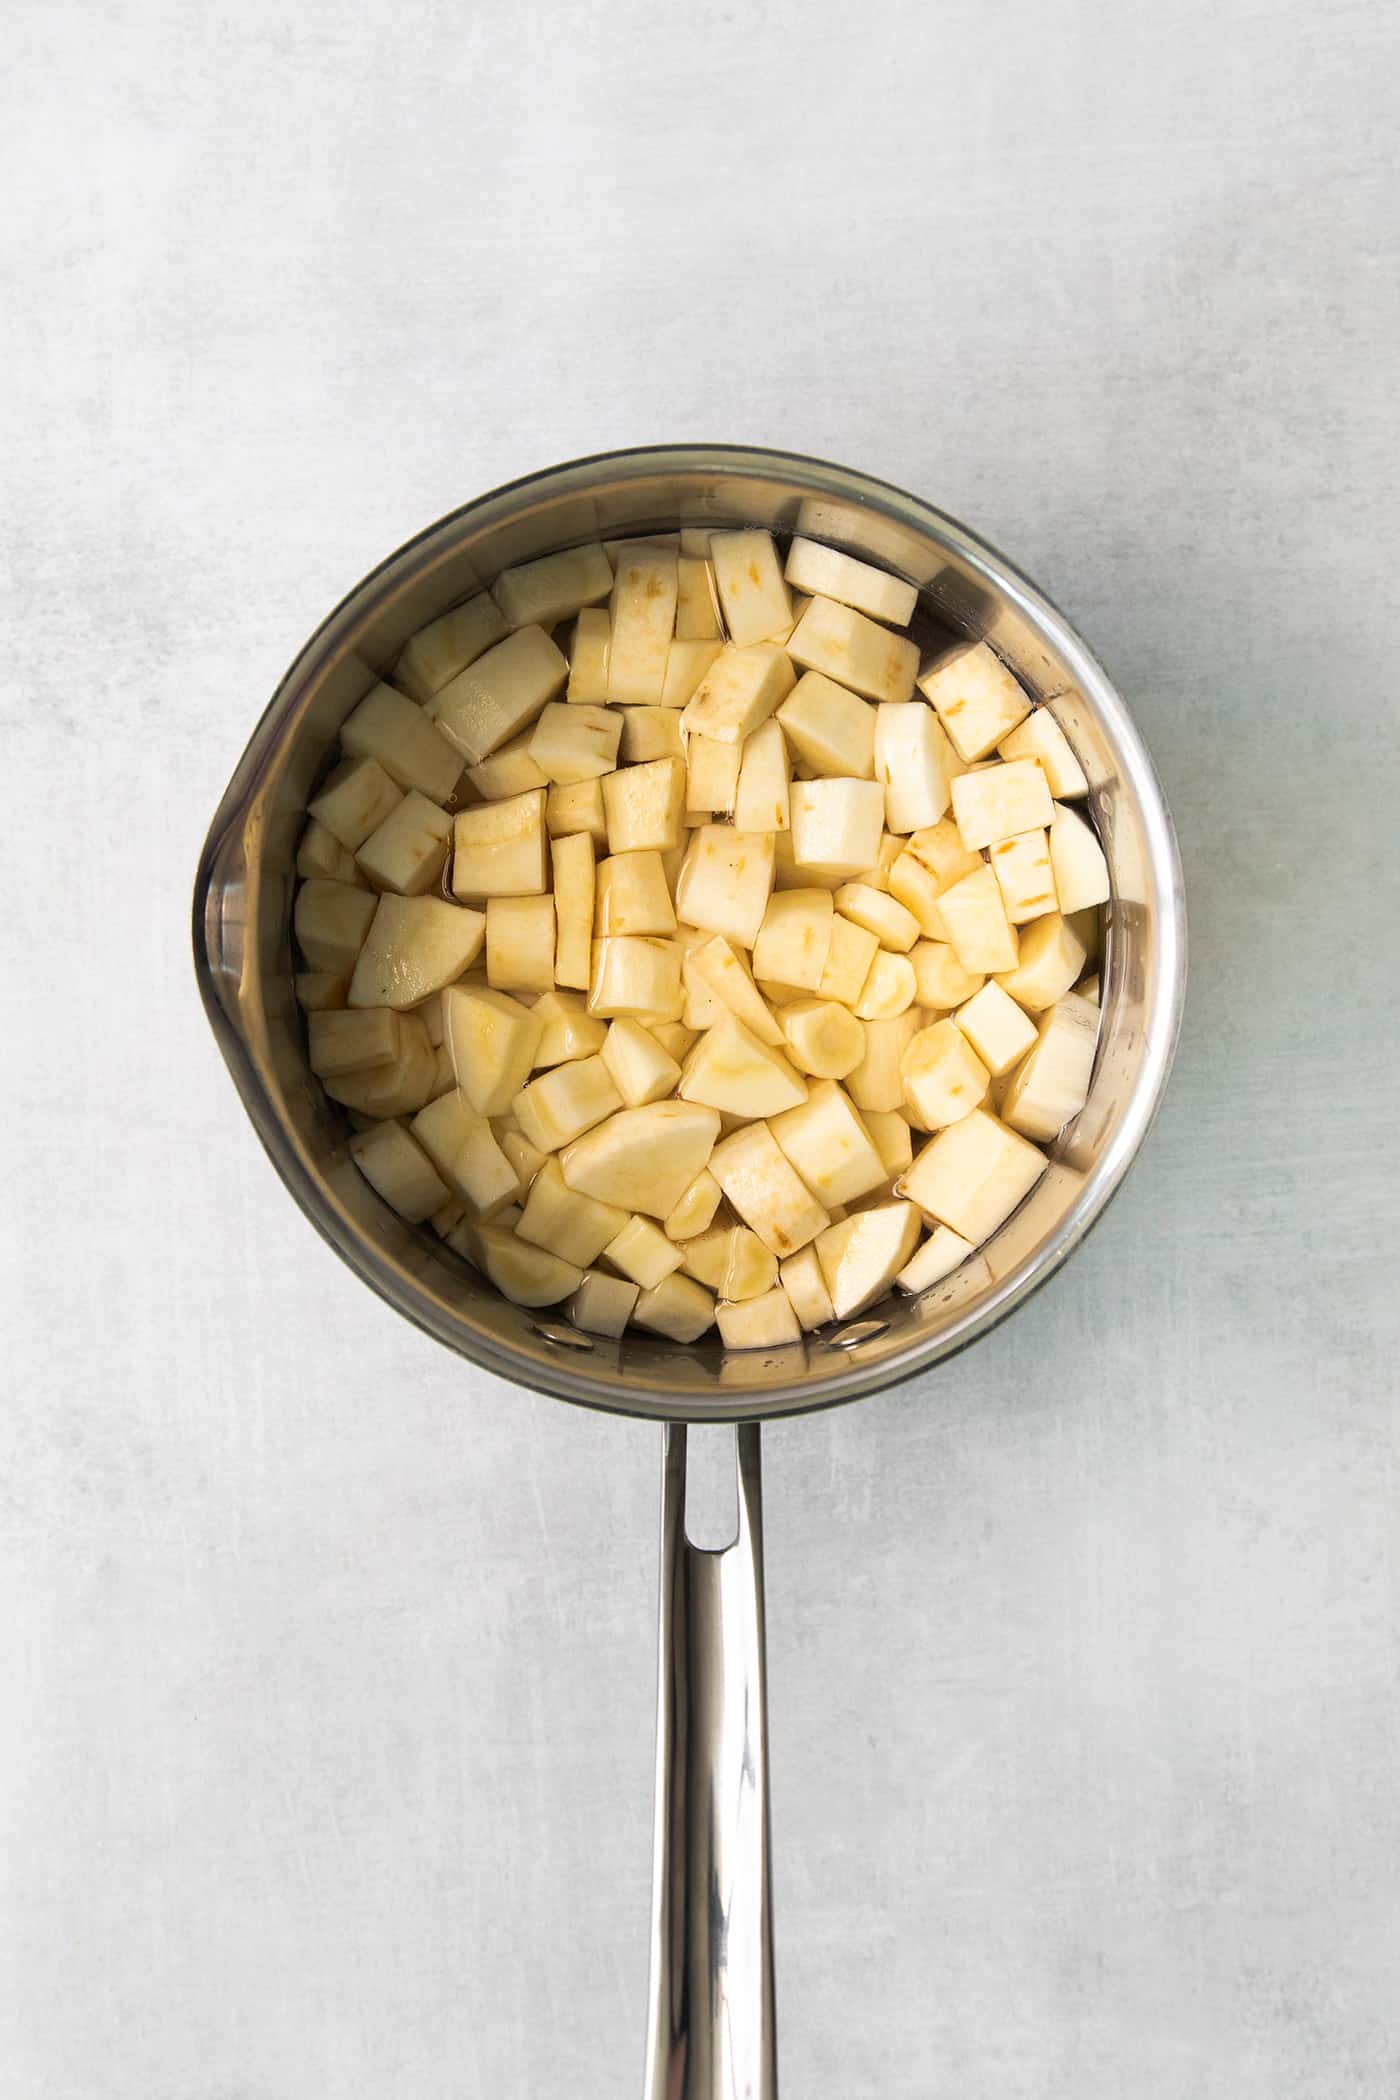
(327, 1663)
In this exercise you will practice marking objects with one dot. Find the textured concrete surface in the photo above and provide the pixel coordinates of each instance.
(327, 1665)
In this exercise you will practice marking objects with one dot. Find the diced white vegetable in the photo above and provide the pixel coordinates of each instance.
(520, 943)
(446, 646)
(494, 698)
(892, 1138)
(414, 947)
(765, 1189)
(941, 1253)
(723, 969)
(944, 1078)
(635, 974)
(578, 807)
(648, 733)
(1050, 959)
(830, 1146)
(697, 602)
(694, 1210)
(687, 666)
(915, 764)
(643, 1159)
(1024, 877)
(1040, 737)
(1077, 858)
(320, 854)
(1052, 1084)
(524, 1274)
(761, 799)
(498, 850)
(640, 1069)
(978, 701)
(940, 981)
(352, 1042)
(996, 1027)
(566, 1223)
(602, 1304)
(645, 807)
(837, 824)
(395, 731)
(768, 1322)
(1087, 988)
(972, 1175)
(861, 1256)
(998, 801)
(546, 591)
(569, 1031)
(848, 961)
(398, 1169)
(829, 729)
(355, 800)
(588, 658)
(889, 988)
(632, 896)
(892, 923)
(711, 776)
(562, 1103)
(823, 1039)
(844, 645)
(643, 1253)
(643, 622)
(738, 692)
(725, 882)
(463, 1148)
(571, 860)
(678, 1308)
(574, 742)
(527, 1159)
(407, 852)
(331, 920)
(824, 572)
(399, 1089)
(493, 1040)
(509, 771)
(806, 1290)
(730, 1069)
(321, 991)
(878, 1080)
(794, 938)
(749, 579)
(981, 935)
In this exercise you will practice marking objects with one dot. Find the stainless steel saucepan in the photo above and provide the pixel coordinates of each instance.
(711, 2026)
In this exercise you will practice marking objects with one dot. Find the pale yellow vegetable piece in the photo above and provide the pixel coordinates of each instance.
(703, 1005)
(1050, 960)
(727, 975)
(562, 1103)
(1087, 988)
(837, 824)
(766, 1190)
(892, 1138)
(576, 808)
(830, 1146)
(524, 1274)
(648, 733)
(527, 1159)
(643, 622)
(846, 646)
(711, 776)
(354, 801)
(575, 1227)
(1040, 737)
(687, 666)
(407, 852)
(678, 1308)
(646, 543)
(635, 974)
(568, 1030)
(398, 1089)
(640, 1069)
(768, 1322)
(787, 875)
(493, 1040)
(571, 859)
(588, 658)
(825, 572)
(794, 939)
(645, 806)
(393, 729)
(738, 692)
(352, 1042)
(892, 924)
(444, 1079)
(806, 1290)
(464, 1149)
(823, 1039)
(498, 849)
(915, 764)
(632, 896)
(829, 729)
(321, 991)
(1077, 858)
(602, 1304)
(643, 1159)
(944, 1078)
(549, 590)
(1024, 876)
(730, 1069)
(848, 959)
(321, 855)
(1052, 1083)
(495, 697)
(398, 1169)
(725, 882)
(974, 916)
(972, 1175)
(572, 742)
(941, 1253)
(749, 578)
(761, 798)
(940, 850)
(978, 700)
(996, 1027)
(509, 771)
(674, 1037)
(414, 947)
(447, 645)
(998, 801)
(878, 1081)
(697, 603)
(861, 1256)
(940, 981)
(694, 1210)
(520, 943)
(331, 920)
(643, 1253)
(889, 988)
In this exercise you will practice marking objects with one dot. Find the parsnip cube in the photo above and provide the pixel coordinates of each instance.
(648, 733)
(578, 807)
(761, 799)
(981, 935)
(321, 854)
(643, 1159)
(394, 730)
(940, 849)
(415, 946)
(1024, 877)
(823, 1039)
(844, 645)
(588, 658)
(645, 807)
(674, 1037)
(1052, 1084)
(940, 981)
(837, 824)
(407, 852)
(687, 666)
(398, 1169)
(806, 1290)
(944, 1078)
(331, 920)
(678, 1308)
(794, 939)
(602, 1304)
(703, 1005)
(633, 974)
(617, 551)
(893, 925)
(1087, 988)
(730, 1069)
(568, 1030)
(915, 764)
(355, 800)
(848, 961)
(694, 1210)
(978, 701)
(463, 1148)
(738, 693)
(520, 944)
(889, 988)
(830, 730)
(697, 602)
(352, 1042)
(546, 591)
(1040, 737)
(643, 1253)
(725, 882)
(972, 1175)
(507, 772)
(787, 875)
(640, 1069)
(941, 1253)
(524, 1274)
(727, 975)
(632, 896)
(571, 859)
(527, 1159)
(446, 646)
(643, 622)
(998, 801)
(1087, 928)
(1050, 959)
(493, 1040)
(878, 1080)
(562, 1103)
(711, 775)
(765, 1189)
(572, 1226)
(398, 1089)
(892, 1139)
(321, 991)
(749, 579)
(768, 1322)
(444, 1078)
(861, 1256)
(830, 1146)
(1077, 858)
(494, 698)
(824, 572)
(498, 850)
(572, 742)
(996, 1027)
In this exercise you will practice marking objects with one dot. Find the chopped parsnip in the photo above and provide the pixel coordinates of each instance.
(571, 860)
(765, 1189)
(848, 647)
(725, 882)
(752, 594)
(520, 943)
(829, 729)
(446, 646)
(395, 731)
(758, 1323)
(643, 622)
(415, 946)
(496, 696)
(978, 700)
(824, 572)
(355, 801)
(972, 1175)
(549, 590)
(498, 850)
(588, 658)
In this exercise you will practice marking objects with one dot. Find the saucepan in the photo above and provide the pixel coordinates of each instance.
(711, 2006)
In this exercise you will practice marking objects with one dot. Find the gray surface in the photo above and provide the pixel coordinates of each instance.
(327, 1666)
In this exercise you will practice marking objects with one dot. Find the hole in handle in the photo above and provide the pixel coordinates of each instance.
(711, 1486)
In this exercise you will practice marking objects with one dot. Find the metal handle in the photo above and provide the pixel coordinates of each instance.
(711, 2029)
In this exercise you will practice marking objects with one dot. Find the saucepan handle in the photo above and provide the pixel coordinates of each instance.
(711, 2030)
